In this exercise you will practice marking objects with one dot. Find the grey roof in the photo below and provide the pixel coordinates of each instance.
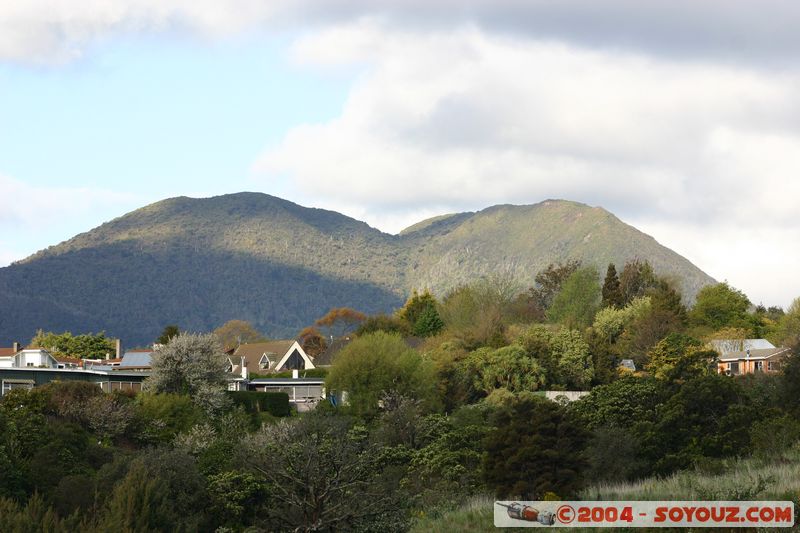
(754, 354)
(253, 353)
(136, 359)
(728, 346)
(327, 357)
(628, 363)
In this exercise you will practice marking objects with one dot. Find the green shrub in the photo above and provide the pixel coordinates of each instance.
(274, 403)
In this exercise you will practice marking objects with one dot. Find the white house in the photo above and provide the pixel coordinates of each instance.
(30, 358)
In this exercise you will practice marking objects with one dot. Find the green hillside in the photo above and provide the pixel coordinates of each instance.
(523, 240)
(201, 262)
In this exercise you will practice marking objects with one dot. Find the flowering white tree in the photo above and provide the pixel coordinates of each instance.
(192, 364)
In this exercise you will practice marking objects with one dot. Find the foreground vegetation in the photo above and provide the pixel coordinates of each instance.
(444, 412)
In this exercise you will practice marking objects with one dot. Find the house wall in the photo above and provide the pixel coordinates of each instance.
(108, 382)
(748, 366)
(34, 358)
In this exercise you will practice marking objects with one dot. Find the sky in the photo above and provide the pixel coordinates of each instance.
(680, 117)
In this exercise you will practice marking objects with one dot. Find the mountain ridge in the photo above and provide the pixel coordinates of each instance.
(202, 261)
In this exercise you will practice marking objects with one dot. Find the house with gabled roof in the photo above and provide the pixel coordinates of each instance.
(29, 358)
(269, 357)
(750, 361)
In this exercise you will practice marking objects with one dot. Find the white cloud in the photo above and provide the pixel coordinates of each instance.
(761, 32)
(39, 206)
(47, 31)
(32, 216)
(757, 259)
(465, 119)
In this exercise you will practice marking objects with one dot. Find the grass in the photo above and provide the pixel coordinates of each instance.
(475, 515)
(776, 478)
(738, 479)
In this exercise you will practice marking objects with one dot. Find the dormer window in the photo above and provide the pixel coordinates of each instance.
(264, 362)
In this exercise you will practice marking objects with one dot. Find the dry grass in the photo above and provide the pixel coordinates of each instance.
(741, 479)
(475, 515)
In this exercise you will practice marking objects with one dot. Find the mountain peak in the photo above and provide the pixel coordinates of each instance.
(199, 262)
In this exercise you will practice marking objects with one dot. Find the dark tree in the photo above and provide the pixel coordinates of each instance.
(789, 383)
(385, 323)
(612, 295)
(323, 473)
(636, 278)
(421, 315)
(534, 449)
(707, 417)
(548, 283)
(170, 331)
(429, 323)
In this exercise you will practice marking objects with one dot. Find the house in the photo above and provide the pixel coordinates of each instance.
(735, 363)
(627, 364)
(30, 377)
(69, 362)
(304, 393)
(29, 358)
(268, 357)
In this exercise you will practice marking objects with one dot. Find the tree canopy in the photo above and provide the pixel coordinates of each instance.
(579, 298)
(86, 346)
(718, 306)
(235, 332)
(377, 364)
(192, 364)
(339, 322)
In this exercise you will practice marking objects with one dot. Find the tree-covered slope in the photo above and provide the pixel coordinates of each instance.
(201, 262)
(523, 240)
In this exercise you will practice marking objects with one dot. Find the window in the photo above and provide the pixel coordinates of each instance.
(733, 368)
(29, 364)
(10, 384)
(770, 366)
(759, 366)
(264, 362)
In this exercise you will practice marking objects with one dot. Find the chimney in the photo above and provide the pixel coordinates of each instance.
(747, 353)
(16, 347)
(119, 348)
(244, 368)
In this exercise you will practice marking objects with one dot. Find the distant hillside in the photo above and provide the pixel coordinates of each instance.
(201, 262)
(523, 240)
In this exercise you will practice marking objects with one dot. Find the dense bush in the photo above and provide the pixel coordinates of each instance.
(535, 447)
(274, 403)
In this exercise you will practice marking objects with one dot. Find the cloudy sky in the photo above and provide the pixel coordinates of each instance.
(681, 117)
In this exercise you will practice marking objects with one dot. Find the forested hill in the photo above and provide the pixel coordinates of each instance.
(201, 262)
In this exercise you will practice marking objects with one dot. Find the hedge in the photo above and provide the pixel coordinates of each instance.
(310, 373)
(274, 403)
